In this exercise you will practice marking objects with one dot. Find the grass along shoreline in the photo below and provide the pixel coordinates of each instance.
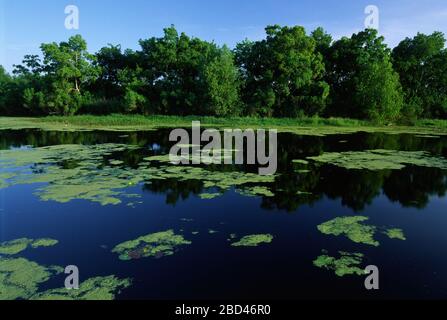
(304, 126)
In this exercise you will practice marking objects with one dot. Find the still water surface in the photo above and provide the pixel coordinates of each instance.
(290, 207)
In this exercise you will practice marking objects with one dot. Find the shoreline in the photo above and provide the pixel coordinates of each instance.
(302, 126)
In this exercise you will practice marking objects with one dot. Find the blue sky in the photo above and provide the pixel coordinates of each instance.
(25, 24)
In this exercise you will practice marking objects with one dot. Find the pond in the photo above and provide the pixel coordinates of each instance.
(138, 227)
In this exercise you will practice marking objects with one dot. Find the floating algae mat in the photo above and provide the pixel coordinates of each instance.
(21, 278)
(90, 177)
(212, 156)
(346, 264)
(381, 159)
(256, 191)
(155, 245)
(16, 246)
(98, 288)
(357, 231)
(253, 240)
(395, 234)
(209, 196)
(84, 179)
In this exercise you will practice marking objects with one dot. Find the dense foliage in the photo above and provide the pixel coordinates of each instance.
(288, 74)
(422, 65)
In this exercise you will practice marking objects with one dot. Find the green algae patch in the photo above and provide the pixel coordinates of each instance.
(44, 243)
(94, 289)
(211, 179)
(253, 240)
(20, 278)
(395, 234)
(300, 161)
(85, 179)
(209, 196)
(155, 245)
(352, 228)
(381, 160)
(19, 245)
(84, 172)
(256, 191)
(355, 229)
(346, 264)
(116, 162)
(15, 246)
(4, 177)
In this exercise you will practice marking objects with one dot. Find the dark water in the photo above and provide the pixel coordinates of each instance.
(412, 199)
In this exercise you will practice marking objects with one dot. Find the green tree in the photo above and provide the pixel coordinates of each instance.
(5, 81)
(363, 82)
(422, 65)
(283, 74)
(182, 75)
(222, 83)
(69, 68)
(110, 61)
(30, 87)
(131, 80)
(323, 41)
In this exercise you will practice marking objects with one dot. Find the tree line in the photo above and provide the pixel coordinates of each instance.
(290, 73)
